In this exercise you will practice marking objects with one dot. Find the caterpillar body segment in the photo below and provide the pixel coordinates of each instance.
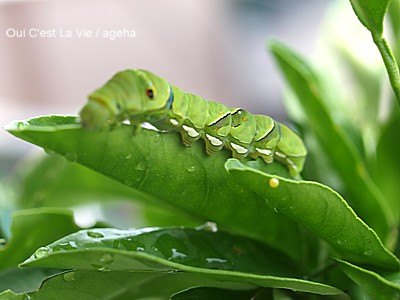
(140, 96)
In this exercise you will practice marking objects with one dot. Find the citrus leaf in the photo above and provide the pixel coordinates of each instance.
(33, 228)
(321, 210)
(214, 255)
(377, 286)
(371, 13)
(158, 166)
(363, 194)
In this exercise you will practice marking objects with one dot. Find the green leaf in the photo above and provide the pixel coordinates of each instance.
(371, 13)
(385, 167)
(394, 14)
(53, 181)
(321, 210)
(377, 286)
(10, 295)
(21, 280)
(363, 194)
(215, 255)
(83, 284)
(157, 165)
(33, 228)
(208, 293)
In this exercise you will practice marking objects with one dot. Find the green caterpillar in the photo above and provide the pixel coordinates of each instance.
(140, 96)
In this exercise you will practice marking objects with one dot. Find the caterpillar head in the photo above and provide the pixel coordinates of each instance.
(137, 95)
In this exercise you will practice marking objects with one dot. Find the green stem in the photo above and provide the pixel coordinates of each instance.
(390, 64)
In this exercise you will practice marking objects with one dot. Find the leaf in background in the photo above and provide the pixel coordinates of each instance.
(208, 293)
(21, 280)
(321, 210)
(364, 196)
(53, 181)
(159, 166)
(378, 287)
(83, 284)
(10, 295)
(386, 167)
(394, 14)
(371, 14)
(33, 228)
(215, 255)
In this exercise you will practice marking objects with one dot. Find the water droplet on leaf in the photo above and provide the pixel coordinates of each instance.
(23, 125)
(191, 169)
(209, 226)
(42, 252)
(176, 255)
(69, 276)
(101, 268)
(49, 151)
(368, 252)
(128, 181)
(95, 235)
(71, 156)
(141, 165)
(218, 263)
(107, 258)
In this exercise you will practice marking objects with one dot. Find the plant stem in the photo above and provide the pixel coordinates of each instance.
(390, 64)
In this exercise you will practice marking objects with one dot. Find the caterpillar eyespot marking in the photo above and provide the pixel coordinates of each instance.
(150, 93)
(140, 96)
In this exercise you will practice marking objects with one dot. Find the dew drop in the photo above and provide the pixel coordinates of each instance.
(277, 210)
(71, 156)
(101, 268)
(49, 151)
(23, 125)
(42, 252)
(141, 165)
(209, 226)
(341, 242)
(368, 252)
(129, 156)
(72, 245)
(273, 182)
(107, 258)
(218, 263)
(139, 249)
(95, 235)
(176, 255)
(191, 169)
(69, 276)
(128, 181)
